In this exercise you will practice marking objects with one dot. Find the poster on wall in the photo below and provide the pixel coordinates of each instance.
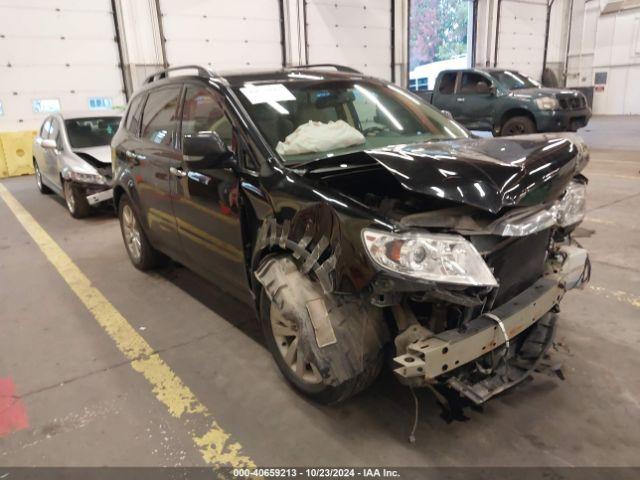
(439, 39)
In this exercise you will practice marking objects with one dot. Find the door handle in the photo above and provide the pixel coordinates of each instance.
(460, 99)
(177, 172)
(130, 154)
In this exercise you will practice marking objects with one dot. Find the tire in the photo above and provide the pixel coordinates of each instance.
(76, 200)
(143, 256)
(518, 126)
(319, 380)
(41, 186)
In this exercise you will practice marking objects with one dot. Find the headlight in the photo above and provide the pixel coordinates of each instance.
(571, 208)
(87, 178)
(547, 103)
(429, 256)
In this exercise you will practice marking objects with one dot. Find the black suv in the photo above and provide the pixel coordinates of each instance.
(358, 220)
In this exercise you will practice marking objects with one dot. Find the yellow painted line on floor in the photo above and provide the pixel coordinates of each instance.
(619, 295)
(215, 445)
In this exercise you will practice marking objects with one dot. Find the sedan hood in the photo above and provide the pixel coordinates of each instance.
(102, 153)
(487, 173)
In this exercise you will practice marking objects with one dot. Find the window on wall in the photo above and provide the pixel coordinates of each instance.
(1, 109)
(100, 103)
(46, 105)
(439, 39)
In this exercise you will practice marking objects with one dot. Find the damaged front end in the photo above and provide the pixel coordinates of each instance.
(476, 312)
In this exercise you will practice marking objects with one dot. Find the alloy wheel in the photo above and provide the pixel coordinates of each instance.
(286, 335)
(132, 235)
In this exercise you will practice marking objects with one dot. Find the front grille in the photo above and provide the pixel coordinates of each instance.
(518, 264)
(572, 102)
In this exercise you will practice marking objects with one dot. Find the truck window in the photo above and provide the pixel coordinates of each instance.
(447, 83)
(470, 80)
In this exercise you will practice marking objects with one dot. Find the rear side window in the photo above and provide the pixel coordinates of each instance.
(134, 115)
(447, 83)
(160, 115)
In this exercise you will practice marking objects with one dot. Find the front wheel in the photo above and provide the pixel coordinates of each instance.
(518, 126)
(76, 200)
(327, 372)
(141, 253)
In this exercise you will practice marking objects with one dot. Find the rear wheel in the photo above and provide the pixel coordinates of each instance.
(142, 254)
(292, 338)
(76, 200)
(518, 126)
(41, 186)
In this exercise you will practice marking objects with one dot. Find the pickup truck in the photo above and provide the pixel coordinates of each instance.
(506, 102)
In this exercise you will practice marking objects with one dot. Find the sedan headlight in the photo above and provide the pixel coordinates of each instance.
(429, 256)
(547, 103)
(92, 178)
(571, 208)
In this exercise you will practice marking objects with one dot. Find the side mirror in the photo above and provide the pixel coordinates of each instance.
(205, 150)
(483, 88)
(49, 143)
(447, 114)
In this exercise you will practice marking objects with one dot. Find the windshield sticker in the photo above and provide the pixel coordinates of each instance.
(267, 93)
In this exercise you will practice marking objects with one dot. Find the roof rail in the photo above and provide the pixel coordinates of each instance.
(339, 68)
(159, 75)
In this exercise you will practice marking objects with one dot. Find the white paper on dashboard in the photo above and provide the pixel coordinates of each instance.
(275, 92)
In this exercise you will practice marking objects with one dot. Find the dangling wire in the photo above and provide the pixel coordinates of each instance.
(412, 435)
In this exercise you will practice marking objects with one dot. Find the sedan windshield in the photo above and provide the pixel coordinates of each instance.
(514, 80)
(91, 132)
(309, 120)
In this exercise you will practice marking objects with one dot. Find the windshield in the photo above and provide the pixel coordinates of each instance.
(91, 132)
(309, 120)
(514, 80)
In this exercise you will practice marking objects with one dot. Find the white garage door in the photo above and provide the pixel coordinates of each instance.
(54, 55)
(222, 35)
(521, 36)
(356, 33)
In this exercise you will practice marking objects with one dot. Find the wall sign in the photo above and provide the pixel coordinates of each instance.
(46, 105)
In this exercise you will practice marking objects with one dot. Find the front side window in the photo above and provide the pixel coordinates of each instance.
(203, 112)
(307, 120)
(514, 80)
(91, 132)
(44, 130)
(159, 118)
(469, 82)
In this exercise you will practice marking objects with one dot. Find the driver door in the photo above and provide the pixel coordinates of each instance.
(206, 203)
(478, 104)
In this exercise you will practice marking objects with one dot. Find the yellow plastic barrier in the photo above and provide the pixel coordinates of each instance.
(16, 157)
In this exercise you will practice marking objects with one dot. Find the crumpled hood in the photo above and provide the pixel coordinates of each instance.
(487, 173)
(101, 153)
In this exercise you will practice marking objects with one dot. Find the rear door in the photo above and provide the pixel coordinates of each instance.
(39, 153)
(151, 158)
(53, 156)
(444, 97)
(207, 202)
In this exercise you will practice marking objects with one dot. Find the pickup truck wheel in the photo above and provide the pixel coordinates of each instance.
(291, 338)
(518, 126)
(76, 200)
(41, 186)
(141, 253)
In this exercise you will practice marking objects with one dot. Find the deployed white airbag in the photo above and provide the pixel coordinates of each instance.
(320, 137)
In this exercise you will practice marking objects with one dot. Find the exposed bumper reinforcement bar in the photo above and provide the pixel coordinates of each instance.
(425, 359)
(99, 197)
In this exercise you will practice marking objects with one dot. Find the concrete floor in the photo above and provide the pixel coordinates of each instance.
(86, 405)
